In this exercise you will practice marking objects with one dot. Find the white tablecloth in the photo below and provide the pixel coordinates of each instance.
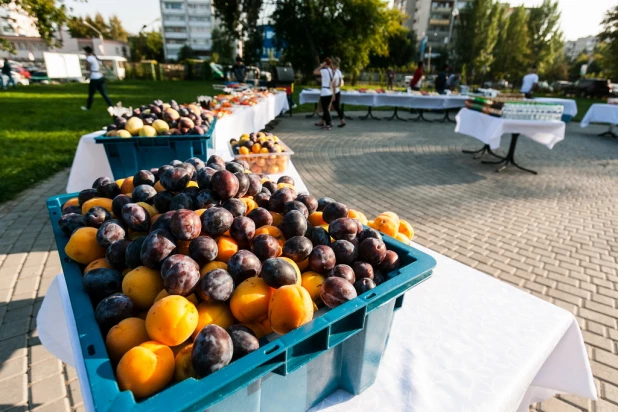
(570, 106)
(601, 113)
(463, 341)
(407, 100)
(90, 161)
(489, 129)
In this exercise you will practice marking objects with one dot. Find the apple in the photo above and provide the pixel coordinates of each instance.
(160, 126)
(123, 133)
(148, 131)
(134, 124)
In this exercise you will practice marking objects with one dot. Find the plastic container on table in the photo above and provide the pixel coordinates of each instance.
(340, 349)
(128, 156)
(267, 163)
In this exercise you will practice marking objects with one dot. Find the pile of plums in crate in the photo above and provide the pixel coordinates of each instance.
(188, 266)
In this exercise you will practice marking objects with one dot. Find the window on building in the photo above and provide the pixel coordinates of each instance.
(175, 41)
(201, 19)
(199, 6)
(174, 18)
(200, 29)
(175, 29)
(461, 4)
(173, 6)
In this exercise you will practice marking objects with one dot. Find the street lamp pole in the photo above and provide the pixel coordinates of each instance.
(101, 48)
(454, 14)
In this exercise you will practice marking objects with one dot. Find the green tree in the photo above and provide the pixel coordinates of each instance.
(147, 46)
(559, 68)
(223, 46)
(512, 51)
(546, 43)
(401, 50)
(112, 30)
(609, 49)
(47, 15)
(78, 29)
(116, 30)
(186, 52)
(240, 21)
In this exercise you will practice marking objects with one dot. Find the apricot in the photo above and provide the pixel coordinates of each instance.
(227, 247)
(386, 225)
(183, 247)
(249, 203)
(260, 329)
(406, 229)
(277, 218)
(213, 312)
(312, 281)
(200, 211)
(152, 211)
(119, 182)
(74, 201)
(303, 265)
(355, 214)
(402, 238)
(171, 320)
(146, 369)
(96, 264)
(127, 186)
(249, 302)
(316, 219)
(129, 333)
(83, 247)
(392, 215)
(163, 294)
(273, 231)
(192, 184)
(184, 366)
(142, 285)
(212, 266)
(176, 349)
(290, 307)
(132, 235)
(158, 187)
(97, 201)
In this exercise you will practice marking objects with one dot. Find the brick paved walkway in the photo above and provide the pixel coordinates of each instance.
(553, 235)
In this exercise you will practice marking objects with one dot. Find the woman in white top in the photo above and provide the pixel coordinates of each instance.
(326, 92)
(97, 81)
(337, 83)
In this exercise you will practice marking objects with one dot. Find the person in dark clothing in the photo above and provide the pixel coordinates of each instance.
(441, 80)
(325, 71)
(97, 81)
(239, 70)
(391, 78)
(6, 71)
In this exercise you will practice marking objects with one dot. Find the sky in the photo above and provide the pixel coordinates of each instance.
(580, 18)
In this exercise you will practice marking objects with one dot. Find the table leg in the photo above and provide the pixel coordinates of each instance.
(315, 111)
(368, 115)
(343, 111)
(421, 117)
(609, 132)
(510, 157)
(395, 116)
(479, 153)
(448, 117)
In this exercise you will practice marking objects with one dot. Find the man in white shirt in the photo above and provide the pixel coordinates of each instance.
(529, 83)
(97, 80)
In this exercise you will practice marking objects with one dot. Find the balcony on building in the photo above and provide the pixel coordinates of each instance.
(439, 22)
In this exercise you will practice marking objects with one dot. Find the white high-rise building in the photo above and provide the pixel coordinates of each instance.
(573, 48)
(187, 22)
(15, 22)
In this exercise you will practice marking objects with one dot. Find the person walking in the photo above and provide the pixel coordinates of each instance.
(390, 74)
(239, 70)
(336, 86)
(325, 70)
(6, 71)
(97, 81)
(529, 83)
(441, 80)
(415, 83)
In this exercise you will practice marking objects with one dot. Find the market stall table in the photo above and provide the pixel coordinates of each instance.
(570, 106)
(602, 113)
(489, 130)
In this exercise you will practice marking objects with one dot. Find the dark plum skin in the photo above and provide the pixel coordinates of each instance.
(344, 272)
(334, 211)
(216, 221)
(203, 249)
(96, 216)
(363, 285)
(260, 217)
(244, 341)
(345, 252)
(212, 350)
(109, 190)
(319, 236)
(255, 185)
(243, 184)
(390, 262)
(262, 199)
(297, 248)
(363, 270)
(242, 229)
(118, 202)
(207, 199)
(116, 253)
(215, 286)
(235, 206)
(101, 181)
(180, 274)
(102, 282)
(163, 221)
(204, 176)
(309, 201)
(214, 159)
(72, 209)
(234, 167)
(109, 232)
(270, 186)
(143, 193)
(136, 217)
(243, 265)
(175, 179)
(279, 198)
(265, 246)
(196, 162)
(225, 184)
(286, 179)
(144, 177)
(294, 224)
(69, 222)
(191, 191)
(175, 163)
(343, 228)
(162, 201)
(132, 255)
(157, 246)
(336, 291)
(367, 233)
(182, 201)
(322, 259)
(190, 168)
(372, 250)
(296, 205)
(162, 170)
(278, 272)
(86, 195)
(323, 202)
(112, 310)
(185, 224)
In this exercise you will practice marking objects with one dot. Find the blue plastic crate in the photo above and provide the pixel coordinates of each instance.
(566, 118)
(340, 349)
(128, 156)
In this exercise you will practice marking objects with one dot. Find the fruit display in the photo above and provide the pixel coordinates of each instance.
(162, 119)
(263, 152)
(189, 266)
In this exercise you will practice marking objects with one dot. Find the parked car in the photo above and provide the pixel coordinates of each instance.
(560, 85)
(17, 67)
(498, 84)
(40, 77)
(614, 90)
(598, 88)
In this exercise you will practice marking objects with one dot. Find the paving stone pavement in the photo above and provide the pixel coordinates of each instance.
(553, 235)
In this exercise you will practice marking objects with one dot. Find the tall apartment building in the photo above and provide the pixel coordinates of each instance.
(573, 48)
(15, 22)
(187, 22)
